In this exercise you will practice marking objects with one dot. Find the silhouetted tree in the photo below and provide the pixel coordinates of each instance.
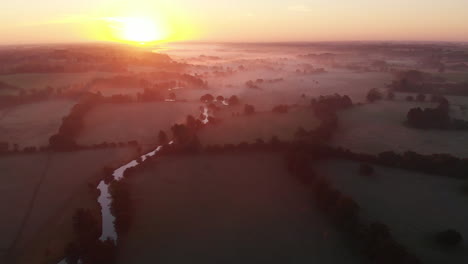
(207, 98)
(449, 237)
(233, 100)
(249, 109)
(162, 137)
(374, 95)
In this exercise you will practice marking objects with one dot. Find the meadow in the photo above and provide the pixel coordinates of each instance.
(415, 206)
(228, 208)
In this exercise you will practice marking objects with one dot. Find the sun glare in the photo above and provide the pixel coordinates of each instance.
(138, 29)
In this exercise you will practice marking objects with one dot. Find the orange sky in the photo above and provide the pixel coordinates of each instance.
(46, 21)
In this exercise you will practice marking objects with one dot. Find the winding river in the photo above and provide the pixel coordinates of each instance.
(105, 199)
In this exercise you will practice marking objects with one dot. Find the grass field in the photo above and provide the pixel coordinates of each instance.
(378, 127)
(264, 125)
(415, 206)
(232, 208)
(42, 197)
(139, 121)
(33, 124)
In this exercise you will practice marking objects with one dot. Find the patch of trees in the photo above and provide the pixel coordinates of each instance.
(281, 109)
(86, 247)
(308, 69)
(448, 238)
(434, 118)
(233, 100)
(330, 103)
(65, 139)
(207, 98)
(255, 84)
(121, 206)
(419, 82)
(249, 109)
(374, 95)
(436, 164)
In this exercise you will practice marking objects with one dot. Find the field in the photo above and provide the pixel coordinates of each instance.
(42, 197)
(232, 208)
(415, 206)
(378, 127)
(32, 124)
(264, 125)
(40, 81)
(141, 121)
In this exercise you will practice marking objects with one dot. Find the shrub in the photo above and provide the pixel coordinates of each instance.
(449, 237)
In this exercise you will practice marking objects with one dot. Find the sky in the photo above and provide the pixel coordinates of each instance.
(51, 21)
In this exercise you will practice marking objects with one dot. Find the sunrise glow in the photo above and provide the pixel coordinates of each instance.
(137, 29)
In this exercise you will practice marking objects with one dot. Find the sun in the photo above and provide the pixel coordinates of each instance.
(139, 29)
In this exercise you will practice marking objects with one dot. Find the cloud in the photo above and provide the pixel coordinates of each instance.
(300, 8)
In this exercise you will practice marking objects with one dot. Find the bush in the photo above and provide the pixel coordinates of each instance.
(281, 109)
(374, 95)
(449, 237)
(249, 109)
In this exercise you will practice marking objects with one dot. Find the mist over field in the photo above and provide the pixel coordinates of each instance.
(233, 132)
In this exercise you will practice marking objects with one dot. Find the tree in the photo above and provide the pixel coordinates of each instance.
(421, 97)
(410, 98)
(162, 137)
(207, 98)
(249, 109)
(233, 100)
(391, 95)
(449, 237)
(172, 96)
(281, 109)
(374, 95)
(220, 98)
